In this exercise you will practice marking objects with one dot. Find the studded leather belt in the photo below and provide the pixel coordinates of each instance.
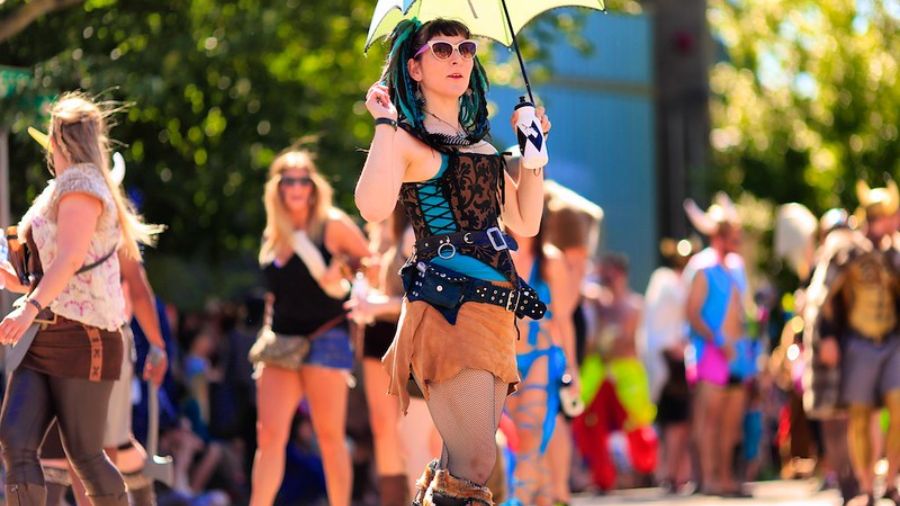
(446, 290)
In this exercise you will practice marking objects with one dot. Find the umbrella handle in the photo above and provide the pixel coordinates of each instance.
(515, 44)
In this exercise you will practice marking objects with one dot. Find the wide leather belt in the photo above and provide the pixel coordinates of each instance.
(47, 318)
(446, 245)
(523, 301)
(446, 290)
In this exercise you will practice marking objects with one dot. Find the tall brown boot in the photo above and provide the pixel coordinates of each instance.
(26, 494)
(56, 494)
(424, 482)
(448, 490)
(393, 490)
(118, 499)
(140, 488)
(57, 481)
(144, 496)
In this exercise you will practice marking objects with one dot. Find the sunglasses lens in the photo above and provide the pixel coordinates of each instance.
(442, 50)
(296, 181)
(467, 49)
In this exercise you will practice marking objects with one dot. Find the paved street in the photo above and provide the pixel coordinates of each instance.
(783, 493)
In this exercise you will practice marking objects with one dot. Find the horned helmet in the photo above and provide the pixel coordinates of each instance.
(878, 202)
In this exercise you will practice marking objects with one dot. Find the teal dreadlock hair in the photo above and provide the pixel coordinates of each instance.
(407, 38)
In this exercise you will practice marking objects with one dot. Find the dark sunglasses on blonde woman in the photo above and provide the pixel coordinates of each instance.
(443, 50)
(295, 181)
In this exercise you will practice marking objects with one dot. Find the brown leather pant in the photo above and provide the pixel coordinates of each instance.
(33, 400)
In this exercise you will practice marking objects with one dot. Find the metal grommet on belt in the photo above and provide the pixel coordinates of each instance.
(443, 249)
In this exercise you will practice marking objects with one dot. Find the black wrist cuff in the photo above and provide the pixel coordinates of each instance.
(386, 121)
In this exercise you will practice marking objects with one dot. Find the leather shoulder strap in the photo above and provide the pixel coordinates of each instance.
(330, 324)
(87, 267)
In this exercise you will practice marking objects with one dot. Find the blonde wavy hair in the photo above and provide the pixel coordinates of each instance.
(79, 128)
(279, 229)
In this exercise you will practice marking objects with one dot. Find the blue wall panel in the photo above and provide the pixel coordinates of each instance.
(602, 143)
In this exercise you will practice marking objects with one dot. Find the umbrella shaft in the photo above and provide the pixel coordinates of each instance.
(515, 44)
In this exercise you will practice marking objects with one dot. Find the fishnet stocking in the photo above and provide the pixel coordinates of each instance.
(466, 410)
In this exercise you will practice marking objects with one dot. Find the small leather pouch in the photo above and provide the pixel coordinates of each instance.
(435, 286)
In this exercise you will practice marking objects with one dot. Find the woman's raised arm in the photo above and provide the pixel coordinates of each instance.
(379, 184)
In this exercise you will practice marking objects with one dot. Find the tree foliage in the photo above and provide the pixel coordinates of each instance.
(806, 99)
(214, 90)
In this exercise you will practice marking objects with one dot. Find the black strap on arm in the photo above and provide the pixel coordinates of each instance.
(87, 267)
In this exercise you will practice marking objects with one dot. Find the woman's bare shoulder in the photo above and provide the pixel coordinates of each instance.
(424, 161)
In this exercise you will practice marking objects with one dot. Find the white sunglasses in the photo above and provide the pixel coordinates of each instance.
(443, 50)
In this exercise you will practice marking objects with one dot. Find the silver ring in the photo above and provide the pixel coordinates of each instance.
(446, 256)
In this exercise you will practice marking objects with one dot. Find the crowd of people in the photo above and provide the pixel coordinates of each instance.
(468, 345)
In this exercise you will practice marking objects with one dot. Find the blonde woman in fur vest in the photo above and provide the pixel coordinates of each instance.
(75, 231)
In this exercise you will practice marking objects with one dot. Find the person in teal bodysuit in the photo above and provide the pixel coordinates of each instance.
(542, 361)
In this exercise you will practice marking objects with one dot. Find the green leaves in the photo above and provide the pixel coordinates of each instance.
(807, 97)
(214, 91)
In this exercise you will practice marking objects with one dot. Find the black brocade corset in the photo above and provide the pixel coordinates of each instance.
(473, 186)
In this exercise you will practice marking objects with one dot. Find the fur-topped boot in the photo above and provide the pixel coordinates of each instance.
(26, 494)
(448, 490)
(424, 482)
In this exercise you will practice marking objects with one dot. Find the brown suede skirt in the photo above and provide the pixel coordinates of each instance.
(433, 350)
(71, 349)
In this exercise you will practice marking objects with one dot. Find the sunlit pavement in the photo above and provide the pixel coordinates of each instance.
(785, 493)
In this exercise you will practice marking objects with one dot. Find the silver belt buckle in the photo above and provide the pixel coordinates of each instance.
(497, 240)
(513, 300)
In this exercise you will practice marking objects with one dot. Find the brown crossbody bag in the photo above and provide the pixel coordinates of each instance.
(286, 352)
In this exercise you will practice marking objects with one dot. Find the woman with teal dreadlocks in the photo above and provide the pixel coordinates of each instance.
(457, 334)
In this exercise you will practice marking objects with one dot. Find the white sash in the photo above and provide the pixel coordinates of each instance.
(315, 263)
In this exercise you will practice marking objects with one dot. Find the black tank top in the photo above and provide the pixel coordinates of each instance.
(301, 306)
